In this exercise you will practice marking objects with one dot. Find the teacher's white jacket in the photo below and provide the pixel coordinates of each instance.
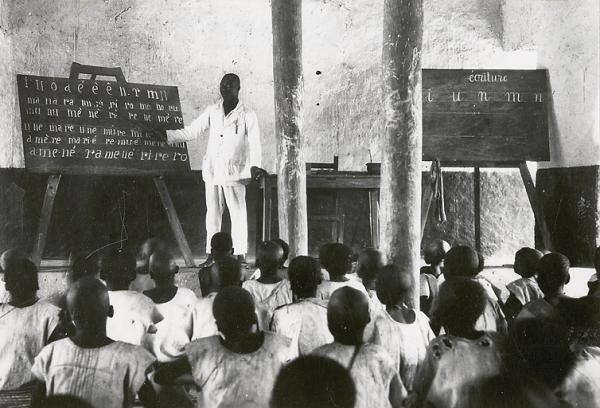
(233, 143)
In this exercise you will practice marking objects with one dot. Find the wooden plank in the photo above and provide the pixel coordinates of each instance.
(374, 217)
(169, 208)
(426, 200)
(538, 212)
(289, 97)
(267, 208)
(477, 207)
(46, 215)
(402, 142)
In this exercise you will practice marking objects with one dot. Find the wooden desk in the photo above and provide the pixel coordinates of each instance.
(322, 181)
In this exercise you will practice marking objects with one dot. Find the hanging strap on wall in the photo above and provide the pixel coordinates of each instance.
(438, 191)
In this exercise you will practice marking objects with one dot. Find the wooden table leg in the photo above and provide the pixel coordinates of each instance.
(169, 208)
(374, 217)
(46, 215)
(538, 212)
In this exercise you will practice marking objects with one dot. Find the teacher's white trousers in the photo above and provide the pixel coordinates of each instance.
(235, 199)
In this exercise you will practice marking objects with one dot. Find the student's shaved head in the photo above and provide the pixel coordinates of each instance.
(88, 304)
(162, 264)
(347, 315)
(234, 312)
(269, 256)
(9, 256)
(461, 261)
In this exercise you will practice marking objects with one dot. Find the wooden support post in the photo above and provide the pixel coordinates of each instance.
(374, 217)
(402, 142)
(289, 97)
(477, 207)
(45, 216)
(169, 208)
(426, 200)
(538, 212)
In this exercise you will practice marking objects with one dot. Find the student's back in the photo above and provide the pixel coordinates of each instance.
(337, 260)
(107, 376)
(134, 316)
(25, 331)
(231, 379)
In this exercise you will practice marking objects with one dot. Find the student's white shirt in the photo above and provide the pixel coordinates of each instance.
(142, 283)
(327, 287)
(261, 291)
(304, 323)
(135, 315)
(107, 377)
(171, 332)
(23, 334)
(372, 371)
(201, 321)
(453, 366)
(525, 290)
(581, 387)
(230, 379)
(405, 342)
(233, 143)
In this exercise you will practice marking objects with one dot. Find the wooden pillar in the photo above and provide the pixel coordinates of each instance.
(402, 141)
(289, 96)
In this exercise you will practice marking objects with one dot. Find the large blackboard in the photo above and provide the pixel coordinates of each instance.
(485, 115)
(85, 126)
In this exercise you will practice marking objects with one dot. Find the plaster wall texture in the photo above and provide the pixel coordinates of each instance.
(192, 44)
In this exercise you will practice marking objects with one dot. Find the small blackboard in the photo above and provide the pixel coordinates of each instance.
(485, 115)
(89, 126)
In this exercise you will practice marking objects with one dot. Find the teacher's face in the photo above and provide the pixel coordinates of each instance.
(229, 88)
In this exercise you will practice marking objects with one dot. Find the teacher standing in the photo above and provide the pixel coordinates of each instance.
(232, 160)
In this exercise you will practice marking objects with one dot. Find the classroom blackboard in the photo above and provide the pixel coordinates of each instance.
(485, 115)
(89, 126)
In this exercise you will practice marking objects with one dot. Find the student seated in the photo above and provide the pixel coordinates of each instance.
(172, 302)
(224, 272)
(581, 384)
(462, 261)
(553, 275)
(221, 246)
(371, 367)
(143, 281)
(464, 357)
(134, 314)
(434, 258)
(268, 259)
(89, 365)
(238, 367)
(305, 320)
(313, 382)
(26, 323)
(337, 260)
(369, 262)
(526, 289)
(402, 331)
(282, 263)
(6, 258)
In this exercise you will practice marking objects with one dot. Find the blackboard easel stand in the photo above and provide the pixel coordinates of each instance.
(54, 180)
(538, 213)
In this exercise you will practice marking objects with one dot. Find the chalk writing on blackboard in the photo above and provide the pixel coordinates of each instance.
(83, 126)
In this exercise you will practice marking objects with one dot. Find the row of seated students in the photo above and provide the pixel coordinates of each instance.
(313, 334)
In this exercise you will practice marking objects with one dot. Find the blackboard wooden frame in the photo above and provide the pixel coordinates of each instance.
(54, 181)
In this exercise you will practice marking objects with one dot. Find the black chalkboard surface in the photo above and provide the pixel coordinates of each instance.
(485, 115)
(89, 126)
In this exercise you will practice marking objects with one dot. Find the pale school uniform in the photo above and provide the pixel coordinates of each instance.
(305, 323)
(142, 283)
(134, 316)
(453, 366)
(233, 148)
(107, 377)
(525, 290)
(230, 379)
(581, 387)
(537, 309)
(327, 287)
(23, 334)
(268, 297)
(201, 321)
(371, 368)
(406, 343)
(171, 332)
